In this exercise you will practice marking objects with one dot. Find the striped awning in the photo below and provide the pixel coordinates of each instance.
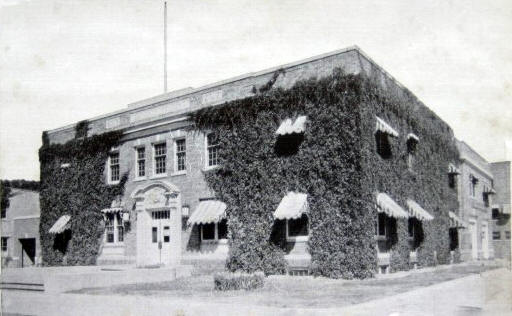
(116, 206)
(293, 205)
(452, 169)
(417, 211)
(455, 221)
(384, 127)
(60, 225)
(385, 204)
(413, 136)
(210, 211)
(289, 127)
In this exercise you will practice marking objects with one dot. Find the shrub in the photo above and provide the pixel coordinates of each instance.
(227, 281)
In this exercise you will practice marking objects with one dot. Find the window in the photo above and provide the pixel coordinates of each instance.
(495, 213)
(208, 231)
(212, 147)
(411, 228)
(507, 234)
(412, 144)
(380, 225)
(167, 234)
(114, 229)
(454, 238)
(222, 228)
(154, 234)
(383, 144)
(472, 185)
(485, 198)
(141, 162)
(164, 214)
(4, 244)
(160, 158)
(114, 167)
(297, 227)
(496, 235)
(4, 212)
(181, 155)
(452, 180)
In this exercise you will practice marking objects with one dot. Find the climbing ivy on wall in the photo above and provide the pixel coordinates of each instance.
(73, 183)
(336, 165)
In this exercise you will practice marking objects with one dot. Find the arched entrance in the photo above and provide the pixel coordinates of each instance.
(158, 207)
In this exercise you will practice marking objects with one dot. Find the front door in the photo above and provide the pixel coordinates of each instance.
(28, 252)
(160, 236)
(485, 240)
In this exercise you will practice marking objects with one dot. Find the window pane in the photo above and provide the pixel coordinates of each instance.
(411, 228)
(382, 224)
(223, 229)
(114, 166)
(141, 162)
(181, 155)
(4, 244)
(298, 227)
(154, 234)
(160, 158)
(496, 235)
(208, 231)
(507, 234)
(167, 233)
(212, 144)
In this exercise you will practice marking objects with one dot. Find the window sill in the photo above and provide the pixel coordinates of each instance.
(113, 244)
(215, 241)
(158, 176)
(140, 179)
(297, 239)
(179, 173)
(113, 182)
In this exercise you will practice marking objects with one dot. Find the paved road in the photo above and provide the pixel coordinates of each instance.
(486, 294)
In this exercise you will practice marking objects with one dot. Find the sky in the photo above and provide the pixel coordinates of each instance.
(66, 61)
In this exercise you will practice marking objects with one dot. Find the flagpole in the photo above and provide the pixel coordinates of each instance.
(165, 47)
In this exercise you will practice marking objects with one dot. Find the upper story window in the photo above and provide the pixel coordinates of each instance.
(290, 134)
(495, 213)
(381, 229)
(4, 244)
(383, 131)
(113, 164)
(473, 181)
(214, 231)
(412, 144)
(181, 155)
(212, 148)
(141, 162)
(453, 172)
(485, 197)
(160, 157)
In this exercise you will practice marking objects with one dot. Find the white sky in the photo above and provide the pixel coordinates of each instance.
(65, 61)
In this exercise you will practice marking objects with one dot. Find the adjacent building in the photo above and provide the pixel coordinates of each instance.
(501, 208)
(476, 192)
(20, 230)
(398, 196)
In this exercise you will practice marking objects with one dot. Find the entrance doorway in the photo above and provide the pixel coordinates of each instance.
(485, 240)
(160, 235)
(28, 252)
(474, 239)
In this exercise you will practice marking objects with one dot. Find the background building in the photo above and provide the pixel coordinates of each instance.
(20, 229)
(501, 208)
(475, 187)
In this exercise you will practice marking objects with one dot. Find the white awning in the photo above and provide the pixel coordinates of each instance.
(417, 211)
(455, 221)
(453, 169)
(413, 136)
(210, 211)
(293, 205)
(116, 206)
(287, 127)
(60, 225)
(384, 127)
(385, 204)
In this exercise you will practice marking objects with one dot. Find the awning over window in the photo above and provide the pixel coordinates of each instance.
(452, 169)
(60, 225)
(455, 221)
(210, 211)
(293, 205)
(417, 211)
(287, 127)
(384, 127)
(385, 204)
(413, 136)
(490, 191)
(115, 207)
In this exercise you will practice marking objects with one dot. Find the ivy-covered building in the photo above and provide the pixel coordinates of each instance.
(327, 165)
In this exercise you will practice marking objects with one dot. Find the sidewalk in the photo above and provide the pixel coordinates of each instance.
(487, 294)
